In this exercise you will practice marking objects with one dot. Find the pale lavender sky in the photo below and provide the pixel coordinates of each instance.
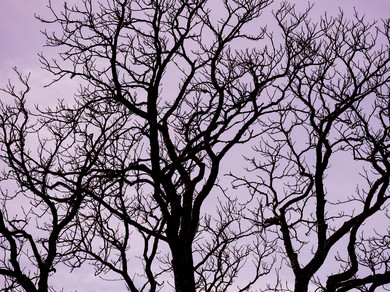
(20, 41)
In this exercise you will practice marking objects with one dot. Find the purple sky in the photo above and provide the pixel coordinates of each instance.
(20, 41)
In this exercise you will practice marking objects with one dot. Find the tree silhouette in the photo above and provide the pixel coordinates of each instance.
(338, 112)
(123, 175)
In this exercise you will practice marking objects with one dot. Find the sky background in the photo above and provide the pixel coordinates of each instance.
(21, 41)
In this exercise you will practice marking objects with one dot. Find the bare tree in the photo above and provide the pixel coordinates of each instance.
(123, 175)
(34, 217)
(167, 92)
(337, 113)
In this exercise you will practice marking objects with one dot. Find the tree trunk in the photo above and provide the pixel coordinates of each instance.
(301, 283)
(183, 266)
(300, 288)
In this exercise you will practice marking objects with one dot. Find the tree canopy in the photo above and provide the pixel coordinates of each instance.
(140, 174)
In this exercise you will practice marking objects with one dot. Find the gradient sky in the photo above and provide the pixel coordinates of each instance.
(21, 40)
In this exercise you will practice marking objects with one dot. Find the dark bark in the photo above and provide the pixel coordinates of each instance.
(183, 266)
